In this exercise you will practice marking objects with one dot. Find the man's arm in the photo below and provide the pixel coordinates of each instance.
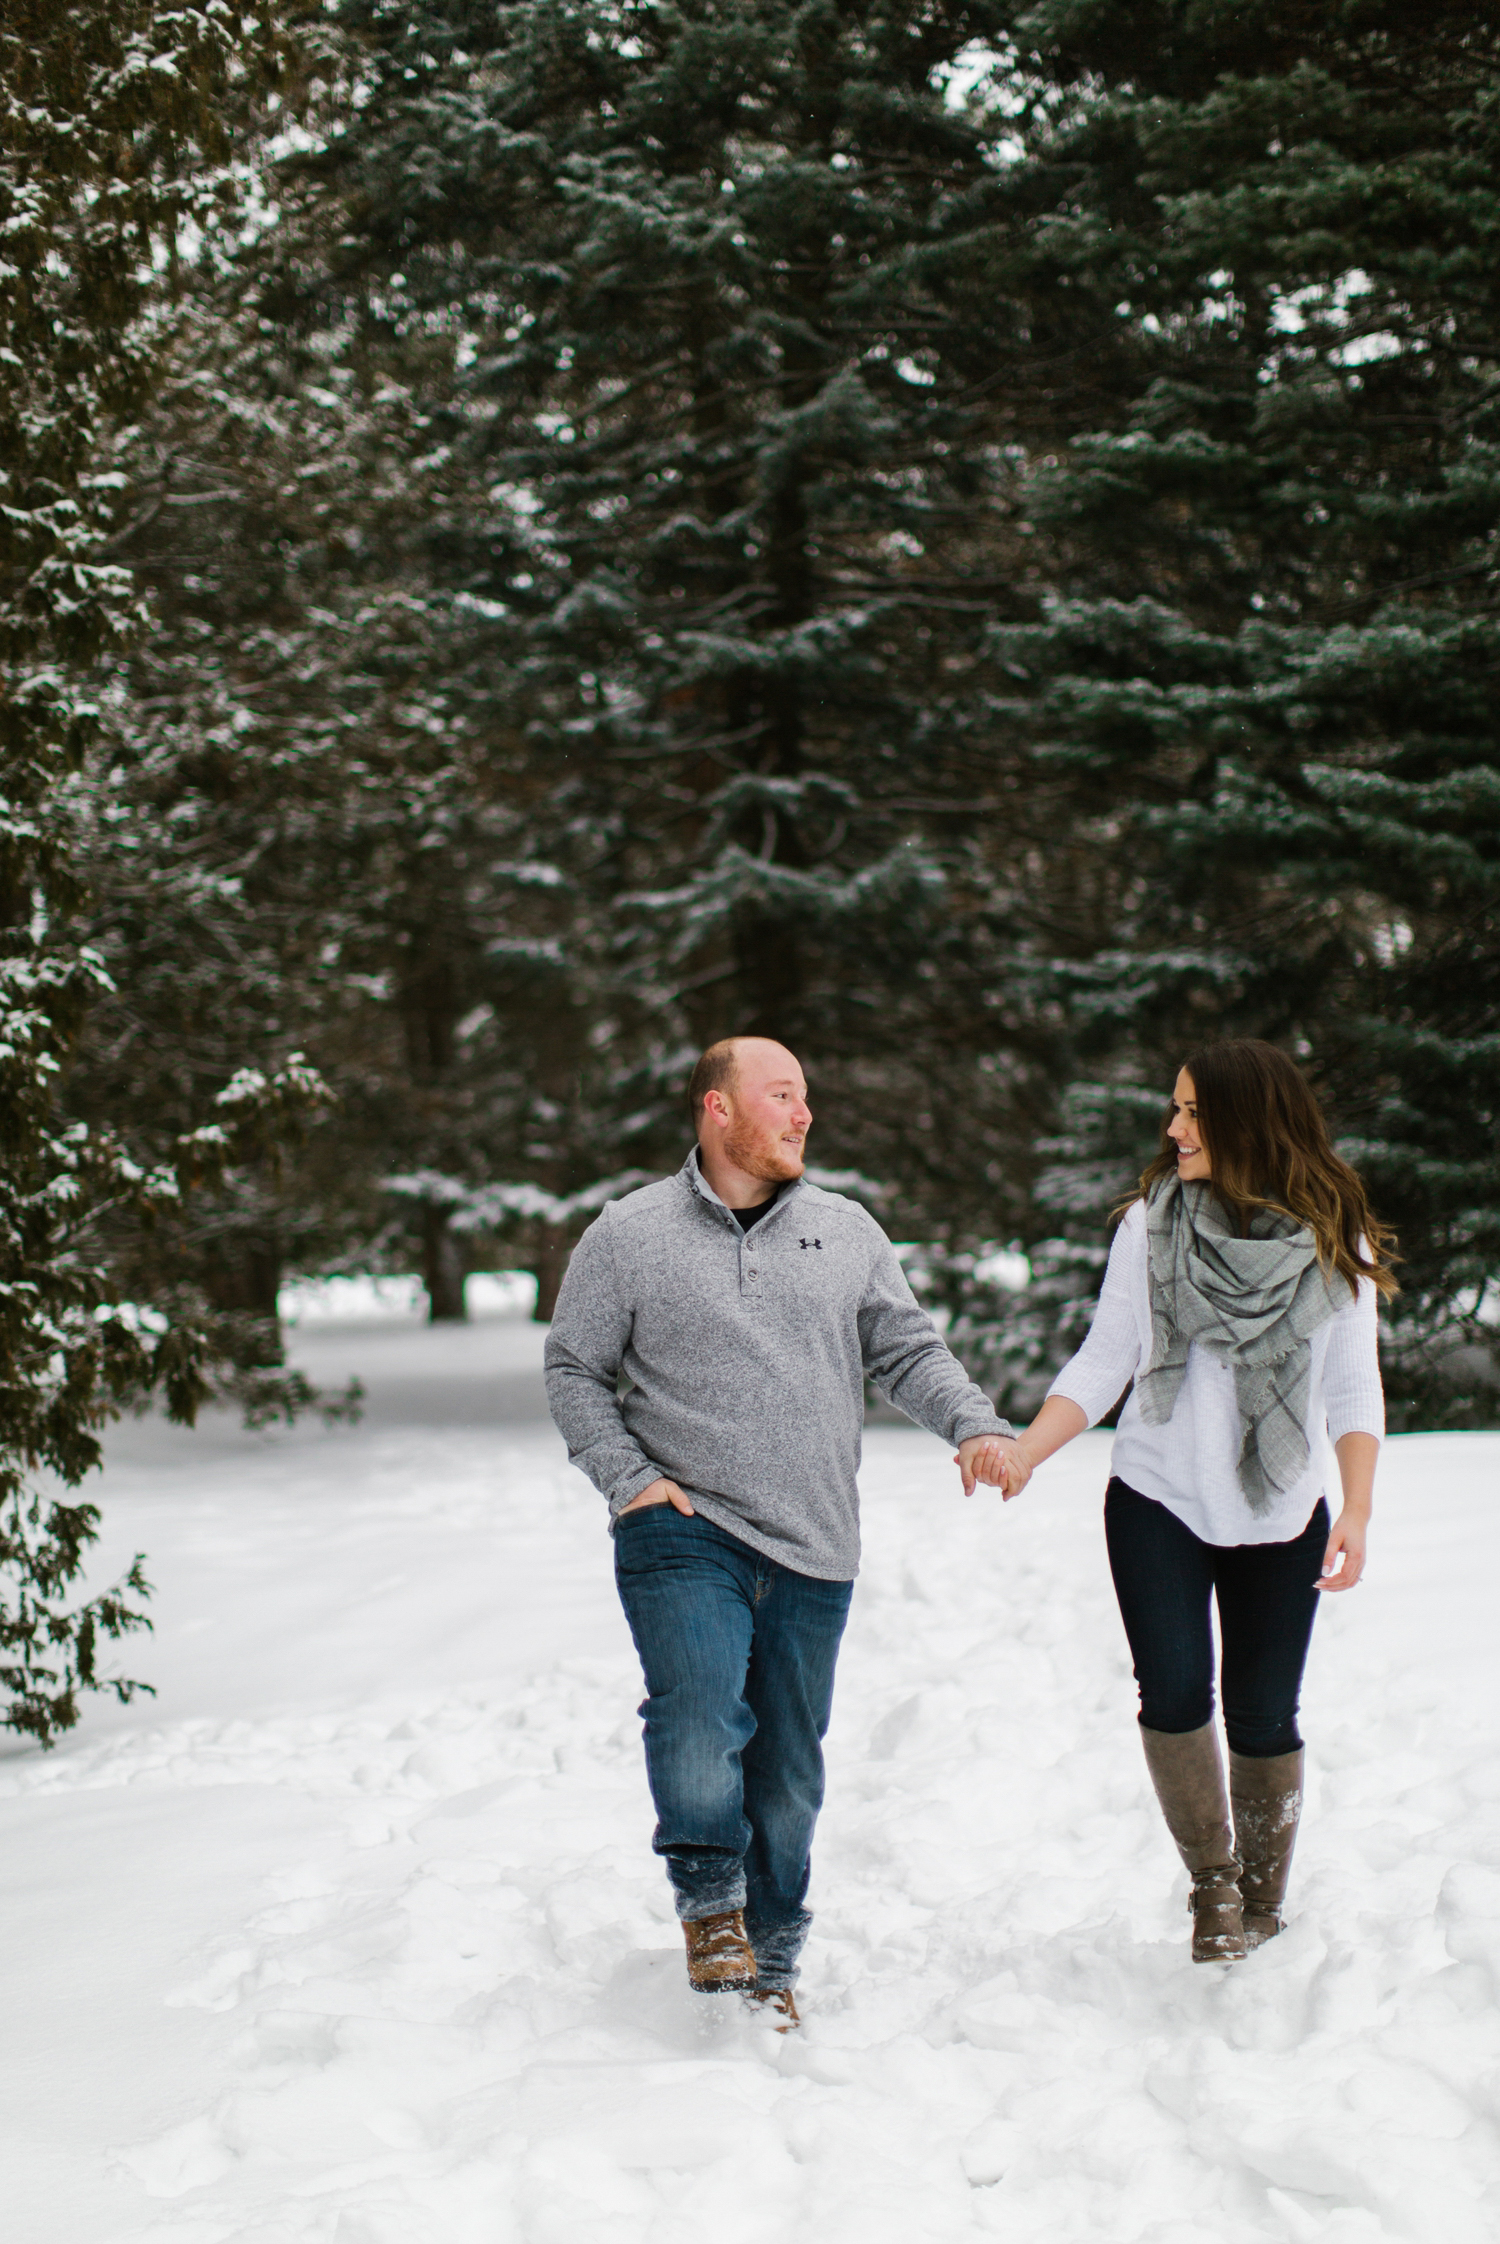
(589, 1335)
(912, 1365)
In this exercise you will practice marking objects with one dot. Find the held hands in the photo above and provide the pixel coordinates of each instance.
(1006, 1462)
(659, 1492)
(997, 1460)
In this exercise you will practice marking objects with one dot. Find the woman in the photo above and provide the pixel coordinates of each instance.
(1240, 1298)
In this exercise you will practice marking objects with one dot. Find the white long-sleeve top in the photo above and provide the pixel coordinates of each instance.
(1191, 1464)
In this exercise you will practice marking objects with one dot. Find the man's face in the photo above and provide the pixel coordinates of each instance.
(768, 1116)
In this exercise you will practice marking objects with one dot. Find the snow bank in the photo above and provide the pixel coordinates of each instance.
(354, 1937)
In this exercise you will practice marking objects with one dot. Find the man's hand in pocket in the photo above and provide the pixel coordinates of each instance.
(659, 1492)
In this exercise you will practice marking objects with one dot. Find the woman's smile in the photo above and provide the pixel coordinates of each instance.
(1192, 1162)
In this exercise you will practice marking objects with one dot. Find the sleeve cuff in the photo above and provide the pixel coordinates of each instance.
(1093, 1412)
(626, 1490)
(974, 1425)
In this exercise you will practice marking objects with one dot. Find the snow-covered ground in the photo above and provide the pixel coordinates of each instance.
(353, 1935)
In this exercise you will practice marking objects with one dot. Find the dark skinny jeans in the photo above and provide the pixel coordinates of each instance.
(1166, 1579)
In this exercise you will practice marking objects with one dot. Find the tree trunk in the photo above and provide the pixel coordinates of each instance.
(243, 1275)
(442, 1268)
(554, 1248)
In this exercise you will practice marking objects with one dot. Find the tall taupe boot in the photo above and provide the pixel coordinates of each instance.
(1267, 1797)
(1189, 1779)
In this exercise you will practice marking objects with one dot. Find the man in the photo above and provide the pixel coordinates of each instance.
(745, 1307)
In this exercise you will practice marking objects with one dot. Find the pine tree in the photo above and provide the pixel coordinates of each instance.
(705, 315)
(264, 856)
(308, 838)
(1264, 669)
(112, 144)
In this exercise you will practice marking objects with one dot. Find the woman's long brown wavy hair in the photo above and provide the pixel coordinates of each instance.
(1268, 1147)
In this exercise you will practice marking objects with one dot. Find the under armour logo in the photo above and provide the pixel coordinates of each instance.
(811, 1243)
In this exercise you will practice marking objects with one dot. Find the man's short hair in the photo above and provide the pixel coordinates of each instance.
(716, 1070)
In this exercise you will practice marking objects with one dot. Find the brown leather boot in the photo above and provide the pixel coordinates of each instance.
(778, 2006)
(1267, 1797)
(720, 1959)
(1189, 1780)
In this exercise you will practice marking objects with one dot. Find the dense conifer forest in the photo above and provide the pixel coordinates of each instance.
(541, 532)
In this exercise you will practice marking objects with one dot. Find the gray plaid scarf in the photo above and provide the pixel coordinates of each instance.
(1252, 1302)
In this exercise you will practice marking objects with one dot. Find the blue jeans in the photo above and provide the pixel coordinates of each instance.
(1166, 1580)
(738, 1654)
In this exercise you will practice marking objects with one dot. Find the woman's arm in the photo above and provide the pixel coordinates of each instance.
(1357, 1454)
(1091, 1379)
(1356, 1420)
(1055, 1423)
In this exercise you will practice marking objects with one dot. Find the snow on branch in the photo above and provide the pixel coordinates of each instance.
(491, 1207)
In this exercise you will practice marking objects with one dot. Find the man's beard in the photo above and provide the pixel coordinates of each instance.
(760, 1154)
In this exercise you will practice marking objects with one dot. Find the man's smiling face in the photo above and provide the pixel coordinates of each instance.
(766, 1111)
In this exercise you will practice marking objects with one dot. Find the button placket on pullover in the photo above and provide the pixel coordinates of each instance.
(751, 1285)
(752, 1265)
(752, 1258)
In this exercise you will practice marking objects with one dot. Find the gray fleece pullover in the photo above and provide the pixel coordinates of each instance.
(746, 1356)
